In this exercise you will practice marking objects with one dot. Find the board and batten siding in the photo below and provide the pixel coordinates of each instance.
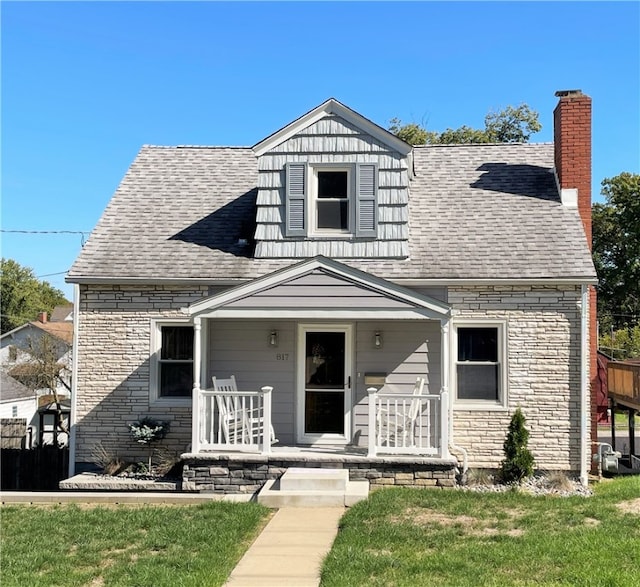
(333, 140)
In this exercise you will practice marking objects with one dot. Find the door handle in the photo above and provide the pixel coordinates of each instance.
(349, 382)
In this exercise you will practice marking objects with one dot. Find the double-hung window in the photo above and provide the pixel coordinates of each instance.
(173, 360)
(329, 200)
(480, 377)
(331, 205)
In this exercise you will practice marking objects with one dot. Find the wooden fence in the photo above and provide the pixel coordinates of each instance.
(36, 469)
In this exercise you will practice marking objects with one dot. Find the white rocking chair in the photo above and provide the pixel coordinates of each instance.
(399, 424)
(240, 424)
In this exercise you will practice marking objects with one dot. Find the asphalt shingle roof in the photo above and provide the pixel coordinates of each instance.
(475, 212)
(11, 390)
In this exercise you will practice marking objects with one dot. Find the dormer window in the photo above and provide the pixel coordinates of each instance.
(330, 200)
(332, 194)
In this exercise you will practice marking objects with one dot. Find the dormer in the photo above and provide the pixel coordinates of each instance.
(332, 183)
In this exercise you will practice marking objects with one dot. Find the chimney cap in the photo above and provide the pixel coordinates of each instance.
(563, 93)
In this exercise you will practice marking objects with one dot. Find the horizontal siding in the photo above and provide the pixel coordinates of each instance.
(334, 249)
(240, 348)
(333, 140)
(410, 350)
(386, 232)
(331, 125)
(331, 144)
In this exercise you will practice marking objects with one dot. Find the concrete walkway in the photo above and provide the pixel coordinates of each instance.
(290, 550)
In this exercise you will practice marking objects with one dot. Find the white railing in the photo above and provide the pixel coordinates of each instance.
(404, 423)
(232, 420)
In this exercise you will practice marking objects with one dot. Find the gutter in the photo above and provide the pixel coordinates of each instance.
(445, 368)
(74, 382)
(585, 445)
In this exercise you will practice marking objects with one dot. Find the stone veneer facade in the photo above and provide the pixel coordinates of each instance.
(543, 362)
(543, 356)
(114, 341)
(248, 473)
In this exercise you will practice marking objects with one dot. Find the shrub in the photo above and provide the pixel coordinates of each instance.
(518, 462)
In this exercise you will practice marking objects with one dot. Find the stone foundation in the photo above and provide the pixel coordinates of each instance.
(248, 473)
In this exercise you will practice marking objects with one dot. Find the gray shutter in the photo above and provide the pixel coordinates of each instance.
(366, 200)
(296, 195)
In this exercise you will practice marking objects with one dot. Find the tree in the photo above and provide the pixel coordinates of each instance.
(518, 460)
(616, 251)
(622, 344)
(23, 295)
(44, 371)
(511, 125)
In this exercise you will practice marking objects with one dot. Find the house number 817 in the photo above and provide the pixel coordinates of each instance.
(282, 356)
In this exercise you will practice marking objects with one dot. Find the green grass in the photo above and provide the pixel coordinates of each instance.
(452, 538)
(68, 545)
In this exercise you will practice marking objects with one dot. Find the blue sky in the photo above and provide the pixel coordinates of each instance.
(86, 84)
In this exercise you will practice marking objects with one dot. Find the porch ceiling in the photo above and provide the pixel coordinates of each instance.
(320, 288)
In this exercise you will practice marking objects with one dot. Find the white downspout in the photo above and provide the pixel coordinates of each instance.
(445, 367)
(584, 386)
(74, 381)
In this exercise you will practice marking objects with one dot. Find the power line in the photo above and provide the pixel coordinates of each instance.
(48, 231)
(52, 274)
(82, 233)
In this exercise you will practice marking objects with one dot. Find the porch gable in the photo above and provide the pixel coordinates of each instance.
(316, 287)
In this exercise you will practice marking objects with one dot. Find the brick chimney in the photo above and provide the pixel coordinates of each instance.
(572, 140)
(572, 153)
(42, 317)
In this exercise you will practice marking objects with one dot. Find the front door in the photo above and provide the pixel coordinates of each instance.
(324, 384)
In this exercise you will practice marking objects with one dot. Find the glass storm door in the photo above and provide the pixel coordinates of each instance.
(324, 408)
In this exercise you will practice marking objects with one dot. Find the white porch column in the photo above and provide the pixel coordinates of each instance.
(446, 410)
(373, 394)
(266, 424)
(197, 370)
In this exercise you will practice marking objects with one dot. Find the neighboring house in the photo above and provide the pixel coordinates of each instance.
(18, 412)
(21, 374)
(336, 264)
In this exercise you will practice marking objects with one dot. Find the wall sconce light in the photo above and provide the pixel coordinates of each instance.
(273, 338)
(377, 340)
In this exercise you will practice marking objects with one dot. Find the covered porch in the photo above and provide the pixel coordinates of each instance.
(336, 365)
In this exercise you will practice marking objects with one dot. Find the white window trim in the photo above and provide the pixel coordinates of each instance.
(313, 201)
(154, 364)
(503, 388)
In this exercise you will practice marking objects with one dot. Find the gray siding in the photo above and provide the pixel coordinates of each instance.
(319, 290)
(240, 348)
(410, 350)
(333, 140)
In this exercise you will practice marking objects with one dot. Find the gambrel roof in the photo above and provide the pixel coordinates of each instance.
(476, 212)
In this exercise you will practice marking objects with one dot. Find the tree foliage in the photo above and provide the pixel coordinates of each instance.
(23, 295)
(622, 344)
(510, 125)
(616, 251)
(518, 460)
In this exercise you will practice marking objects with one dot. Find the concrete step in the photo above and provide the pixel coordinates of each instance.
(298, 489)
(314, 479)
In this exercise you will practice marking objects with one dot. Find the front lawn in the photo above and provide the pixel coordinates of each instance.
(457, 538)
(154, 546)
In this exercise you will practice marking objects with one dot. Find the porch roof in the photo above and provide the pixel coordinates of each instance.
(320, 288)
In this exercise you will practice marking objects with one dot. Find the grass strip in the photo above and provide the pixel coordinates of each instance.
(456, 538)
(155, 546)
